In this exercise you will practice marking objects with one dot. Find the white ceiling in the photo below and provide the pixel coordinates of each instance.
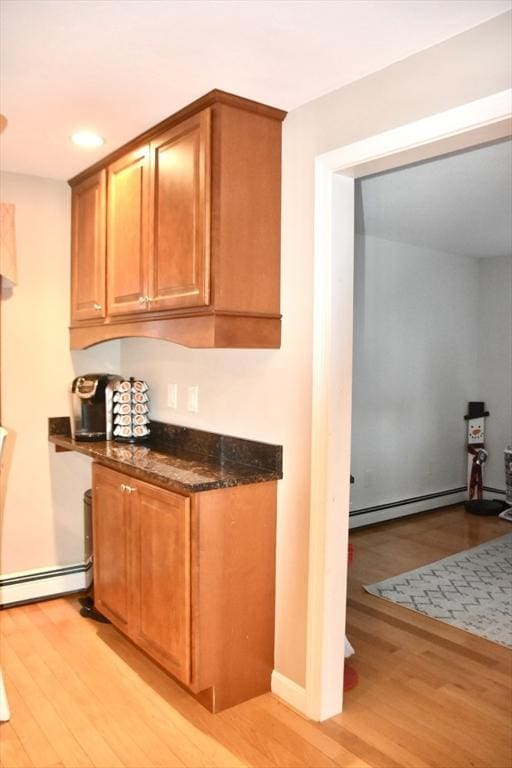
(120, 66)
(460, 204)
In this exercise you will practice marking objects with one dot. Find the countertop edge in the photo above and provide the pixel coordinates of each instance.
(244, 478)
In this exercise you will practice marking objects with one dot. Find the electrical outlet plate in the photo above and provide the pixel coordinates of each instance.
(193, 399)
(172, 396)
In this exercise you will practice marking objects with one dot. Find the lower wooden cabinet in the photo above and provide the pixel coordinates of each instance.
(190, 580)
(113, 535)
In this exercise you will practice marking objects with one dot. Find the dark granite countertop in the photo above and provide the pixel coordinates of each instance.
(179, 458)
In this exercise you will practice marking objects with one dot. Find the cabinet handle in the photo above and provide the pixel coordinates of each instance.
(143, 299)
(97, 307)
(127, 488)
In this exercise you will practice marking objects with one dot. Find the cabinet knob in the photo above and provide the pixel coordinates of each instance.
(123, 487)
(143, 299)
(97, 307)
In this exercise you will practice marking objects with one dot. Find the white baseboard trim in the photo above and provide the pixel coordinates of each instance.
(27, 586)
(404, 508)
(290, 692)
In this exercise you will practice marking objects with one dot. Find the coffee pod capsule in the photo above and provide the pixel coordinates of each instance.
(122, 397)
(123, 408)
(140, 419)
(140, 408)
(124, 421)
(123, 386)
(140, 386)
(140, 397)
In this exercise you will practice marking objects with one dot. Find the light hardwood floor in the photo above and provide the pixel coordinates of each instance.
(429, 695)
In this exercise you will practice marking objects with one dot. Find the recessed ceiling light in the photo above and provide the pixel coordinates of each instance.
(87, 139)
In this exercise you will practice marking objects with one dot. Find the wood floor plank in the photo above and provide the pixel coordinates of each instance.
(307, 730)
(7, 624)
(427, 741)
(366, 751)
(12, 752)
(273, 751)
(466, 731)
(30, 734)
(426, 628)
(215, 737)
(75, 713)
(448, 724)
(375, 731)
(192, 745)
(102, 727)
(123, 715)
(43, 710)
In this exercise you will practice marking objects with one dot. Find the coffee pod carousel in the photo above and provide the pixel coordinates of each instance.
(131, 411)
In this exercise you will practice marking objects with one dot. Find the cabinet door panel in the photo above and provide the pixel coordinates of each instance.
(112, 541)
(88, 249)
(127, 245)
(180, 215)
(163, 622)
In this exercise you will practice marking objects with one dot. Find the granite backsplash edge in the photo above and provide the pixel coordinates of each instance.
(172, 437)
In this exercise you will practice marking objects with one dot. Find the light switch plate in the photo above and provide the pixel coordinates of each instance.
(193, 399)
(172, 396)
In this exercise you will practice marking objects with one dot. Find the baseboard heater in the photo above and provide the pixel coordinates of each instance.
(393, 509)
(488, 489)
(29, 586)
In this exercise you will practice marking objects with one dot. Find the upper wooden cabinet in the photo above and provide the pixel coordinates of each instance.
(193, 220)
(88, 227)
(128, 233)
(180, 216)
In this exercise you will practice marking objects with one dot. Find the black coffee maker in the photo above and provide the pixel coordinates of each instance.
(91, 406)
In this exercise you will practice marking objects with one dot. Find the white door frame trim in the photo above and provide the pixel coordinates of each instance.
(480, 121)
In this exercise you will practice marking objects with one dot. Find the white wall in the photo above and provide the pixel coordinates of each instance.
(494, 313)
(42, 491)
(432, 331)
(415, 342)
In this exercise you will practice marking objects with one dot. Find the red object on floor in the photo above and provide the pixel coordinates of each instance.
(350, 678)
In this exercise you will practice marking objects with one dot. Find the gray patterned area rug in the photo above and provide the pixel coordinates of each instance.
(471, 590)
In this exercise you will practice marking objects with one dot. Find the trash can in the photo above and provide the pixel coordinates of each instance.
(88, 610)
(88, 526)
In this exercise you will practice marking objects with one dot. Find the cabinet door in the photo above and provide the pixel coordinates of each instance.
(88, 249)
(163, 611)
(127, 244)
(179, 269)
(112, 541)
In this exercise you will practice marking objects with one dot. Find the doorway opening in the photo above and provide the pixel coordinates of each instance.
(433, 247)
(479, 122)
(432, 331)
